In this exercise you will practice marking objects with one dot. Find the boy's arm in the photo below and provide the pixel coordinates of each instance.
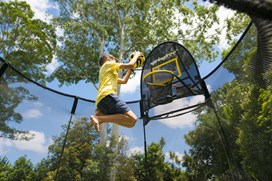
(125, 78)
(130, 64)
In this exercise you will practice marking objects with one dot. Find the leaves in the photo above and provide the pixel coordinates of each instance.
(255, 134)
(119, 27)
(155, 167)
(26, 43)
(244, 113)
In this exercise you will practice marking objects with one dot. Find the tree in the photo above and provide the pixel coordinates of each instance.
(155, 167)
(124, 167)
(41, 169)
(85, 28)
(214, 152)
(240, 60)
(119, 27)
(255, 133)
(84, 159)
(244, 111)
(22, 170)
(207, 157)
(28, 45)
(5, 168)
(10, 98)
(78, 149)
(211, 155)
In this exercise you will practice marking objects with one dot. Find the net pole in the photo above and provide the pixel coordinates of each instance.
(68, 128)
(227, 147)
(3, 69)
(145, 147)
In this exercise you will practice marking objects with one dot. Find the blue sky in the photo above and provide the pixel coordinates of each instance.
(37, 115)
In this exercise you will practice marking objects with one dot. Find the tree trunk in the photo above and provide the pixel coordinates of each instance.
(104, 126)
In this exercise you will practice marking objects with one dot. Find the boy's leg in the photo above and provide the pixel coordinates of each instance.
(127, 119)
(98, 112)
(132, 117)
(93, 122)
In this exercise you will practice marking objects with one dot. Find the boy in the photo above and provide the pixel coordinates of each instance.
(109, 108)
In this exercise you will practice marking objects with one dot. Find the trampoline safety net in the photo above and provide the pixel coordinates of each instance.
(40, 124)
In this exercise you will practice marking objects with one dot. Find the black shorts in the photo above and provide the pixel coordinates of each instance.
(111, 104)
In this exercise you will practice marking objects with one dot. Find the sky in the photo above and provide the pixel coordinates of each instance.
(37, 114)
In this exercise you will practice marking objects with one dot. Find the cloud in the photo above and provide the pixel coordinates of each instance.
(223, 14)
(41, 7)
(37, 144)
(52, 66)
(184, 121)
(123, 137)
(179, 155)
(181, 122)
(135, 150)
(209, 87)
(132, 85)
(38, 104)
(32, 114)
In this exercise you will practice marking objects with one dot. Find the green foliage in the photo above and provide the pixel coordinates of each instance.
(255, 134)
(268, 74)
(155, 167)
(239, 61)
(84, 158)
(41, 169)
(92, 27)
(78, 54)
(26, 43)
(85, 27)
(10, 98)
(235, 26)
(4, 168)
(79, 148)
(119, 27)
(124, 170)
(244, 113)
(22, 170)
(91, 170)
(208, 157)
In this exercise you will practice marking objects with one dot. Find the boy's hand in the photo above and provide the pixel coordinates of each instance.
(137, 53)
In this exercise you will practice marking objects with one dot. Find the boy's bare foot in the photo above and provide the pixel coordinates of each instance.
(95, 123)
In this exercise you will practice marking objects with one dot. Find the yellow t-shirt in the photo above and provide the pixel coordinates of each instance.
(108, 80)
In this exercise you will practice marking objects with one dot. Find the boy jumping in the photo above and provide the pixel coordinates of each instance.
(109, 108)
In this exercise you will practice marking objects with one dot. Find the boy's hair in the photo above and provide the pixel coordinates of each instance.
(104, 57)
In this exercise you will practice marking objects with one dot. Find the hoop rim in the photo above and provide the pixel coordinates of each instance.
(158, 71)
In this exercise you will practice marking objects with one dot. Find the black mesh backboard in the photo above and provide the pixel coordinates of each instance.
(177, 59)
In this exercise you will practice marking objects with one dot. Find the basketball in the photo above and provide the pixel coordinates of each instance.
(139, 62)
